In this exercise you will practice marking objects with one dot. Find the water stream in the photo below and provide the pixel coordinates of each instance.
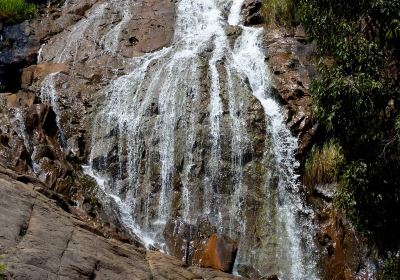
(159, 152)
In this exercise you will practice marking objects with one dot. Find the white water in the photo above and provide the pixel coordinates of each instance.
(48, 94)
(170, 80)
(39, 54)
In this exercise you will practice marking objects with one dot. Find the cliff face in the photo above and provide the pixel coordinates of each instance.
(344, 253)
(60, 71)
(41, 239)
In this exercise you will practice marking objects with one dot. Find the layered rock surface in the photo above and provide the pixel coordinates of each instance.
(40, 240)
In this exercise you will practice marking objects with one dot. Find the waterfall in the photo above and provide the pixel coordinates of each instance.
(48, 94)
(176, 138)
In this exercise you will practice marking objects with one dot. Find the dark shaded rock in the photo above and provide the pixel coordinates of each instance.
(344, 254)
(166, 267)
(252, 12)
(178, 237)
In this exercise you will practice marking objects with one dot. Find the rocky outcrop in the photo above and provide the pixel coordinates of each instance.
(292, 61)
(53, 68)
(200, 245)
(344, 254)
(57, 69)
(252, 12)
(40, 240)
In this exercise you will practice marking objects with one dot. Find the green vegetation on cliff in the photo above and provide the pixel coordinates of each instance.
(323, 164)
(280, 12)
(14, 11)
(356, 97)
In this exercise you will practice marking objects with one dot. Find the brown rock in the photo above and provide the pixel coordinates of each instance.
(19, 99)
(27, 76)
(293, 64)
(219, 253)
(252, 12)
(42, 70)
(168, 267)
(39, 240)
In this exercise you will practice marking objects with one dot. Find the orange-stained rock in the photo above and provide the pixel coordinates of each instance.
(35, 73)
(42, 70)
(19, 99)
(219, 253)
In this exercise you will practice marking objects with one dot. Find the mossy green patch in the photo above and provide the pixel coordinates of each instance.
(14, 11)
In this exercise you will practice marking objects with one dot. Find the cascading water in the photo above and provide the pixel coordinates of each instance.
(48, 94)
(157, 156)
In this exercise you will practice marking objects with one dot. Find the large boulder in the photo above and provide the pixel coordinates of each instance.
(219, 253)
(199, 244)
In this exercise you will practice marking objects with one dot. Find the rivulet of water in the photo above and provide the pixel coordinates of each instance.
(175, 138)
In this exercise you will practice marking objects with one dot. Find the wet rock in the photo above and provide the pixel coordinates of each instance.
(40, 240)
(252, 12)
(166, 267)
(219, 252)
(185, 240)
(343, 251)
(200, 245)
(233, 32)
(36, 73)
(293, 63)
(178, 236)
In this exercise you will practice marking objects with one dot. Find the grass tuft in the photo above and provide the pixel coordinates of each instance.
(14, 11)
(323, 165)
(279, 12)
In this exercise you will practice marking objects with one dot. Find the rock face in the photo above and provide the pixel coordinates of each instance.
(252, 12)
(293, 65)
(200, 245)
(69, 84)
(344, 254)
(60, 68)
(40, 240)
(54, 69)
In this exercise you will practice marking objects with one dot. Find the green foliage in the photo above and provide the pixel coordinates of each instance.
(390, 269)
(357, 98)
(279, 12)
(323, 165)
(14, 11)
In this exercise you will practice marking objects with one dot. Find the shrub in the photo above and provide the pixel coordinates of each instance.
(14, 11)
(279, 12)
(390, 269)
(357, 100)
(323, 165)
